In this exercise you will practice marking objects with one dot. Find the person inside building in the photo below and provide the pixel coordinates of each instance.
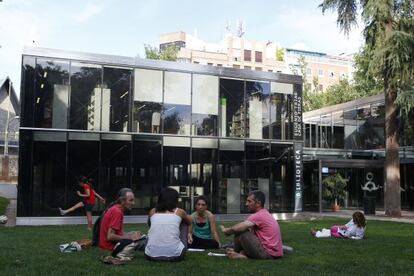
(111, 233)
(354, 229)
(204, 234)
(258, 237)
(170, 229)
(88, 200)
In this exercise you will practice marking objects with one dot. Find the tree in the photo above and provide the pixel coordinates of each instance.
(280, 54)
(169, 53)
(389, 46)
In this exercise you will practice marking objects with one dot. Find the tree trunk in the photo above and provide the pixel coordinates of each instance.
(392, 197)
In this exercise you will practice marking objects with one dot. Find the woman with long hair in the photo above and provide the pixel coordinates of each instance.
(168, 235)
(354, 229)
(204, 226)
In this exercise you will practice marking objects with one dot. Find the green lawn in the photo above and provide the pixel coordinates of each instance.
(387, 250)
(3, 205)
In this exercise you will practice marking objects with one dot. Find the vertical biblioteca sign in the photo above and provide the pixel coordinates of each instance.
(298, 145)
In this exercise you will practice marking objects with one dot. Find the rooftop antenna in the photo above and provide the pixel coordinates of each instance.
(240, 28)
(228, 27)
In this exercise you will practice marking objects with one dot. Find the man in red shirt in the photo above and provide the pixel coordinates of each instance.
(88, 201)
(257, 237)
(112, 234)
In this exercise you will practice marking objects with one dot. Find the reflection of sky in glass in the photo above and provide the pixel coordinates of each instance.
(183, 111)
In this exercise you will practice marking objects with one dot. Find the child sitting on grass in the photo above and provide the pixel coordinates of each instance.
(354, 229)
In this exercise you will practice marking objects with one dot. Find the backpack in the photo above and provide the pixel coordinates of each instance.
(97, 226)
(96, 230)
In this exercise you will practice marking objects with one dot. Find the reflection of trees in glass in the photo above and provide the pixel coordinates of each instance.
(206, 126)
(172, 123)
(143, 112)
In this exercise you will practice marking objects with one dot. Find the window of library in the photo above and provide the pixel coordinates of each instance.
(350, 129)
(279, 110)
(177, 103)
(258, 56)
(51, 94)
(205, 105)
(27, 87)
(338, 130)
(247, 55)
(147, 175)
(257, 172)
(378, 122)
(325, 131)
(257, 101)
(280, 189)
(83, 160)
(177, 173)
(230, 179)
(115, 164)
(86, 96)
(367, 138)
(147, 108)
(203, 170)
(232, 110)
(116, 92)
(48, 189)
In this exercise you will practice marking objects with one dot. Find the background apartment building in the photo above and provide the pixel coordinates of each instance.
(237, 52)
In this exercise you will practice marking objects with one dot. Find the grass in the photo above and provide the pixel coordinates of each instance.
(3, 205)
(387, 250)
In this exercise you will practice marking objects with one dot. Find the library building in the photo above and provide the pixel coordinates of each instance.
(148, 124)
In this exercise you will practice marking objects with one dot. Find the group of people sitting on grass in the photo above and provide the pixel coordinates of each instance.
(172, 231)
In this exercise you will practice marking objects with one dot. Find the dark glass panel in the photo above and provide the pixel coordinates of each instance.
(88, 101)
(177, 172)
(49, 171)
(147, 117)
(281, 189)
(24, 204)
(230, 178)
(203, 170)
(83, 160)
(257, 171)
(205, 125)
(51, 94)
(147, 175)
(115, 167)
(27, 91)
(232, 108)
(119, 83)
(177, 119)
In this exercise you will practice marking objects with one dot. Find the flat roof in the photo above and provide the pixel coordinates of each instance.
(345, 106)
(133, 62)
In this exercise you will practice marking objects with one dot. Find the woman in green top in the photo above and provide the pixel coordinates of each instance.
(204, 226)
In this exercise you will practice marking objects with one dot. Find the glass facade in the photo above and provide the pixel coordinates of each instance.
(349, 139)
(147, 127)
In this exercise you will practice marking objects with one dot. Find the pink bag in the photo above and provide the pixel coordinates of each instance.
(335, 232)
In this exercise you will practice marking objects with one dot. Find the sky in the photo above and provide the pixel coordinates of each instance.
(122, 27)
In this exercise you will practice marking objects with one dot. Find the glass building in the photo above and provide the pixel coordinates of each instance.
(349, 139)
(146, 124)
